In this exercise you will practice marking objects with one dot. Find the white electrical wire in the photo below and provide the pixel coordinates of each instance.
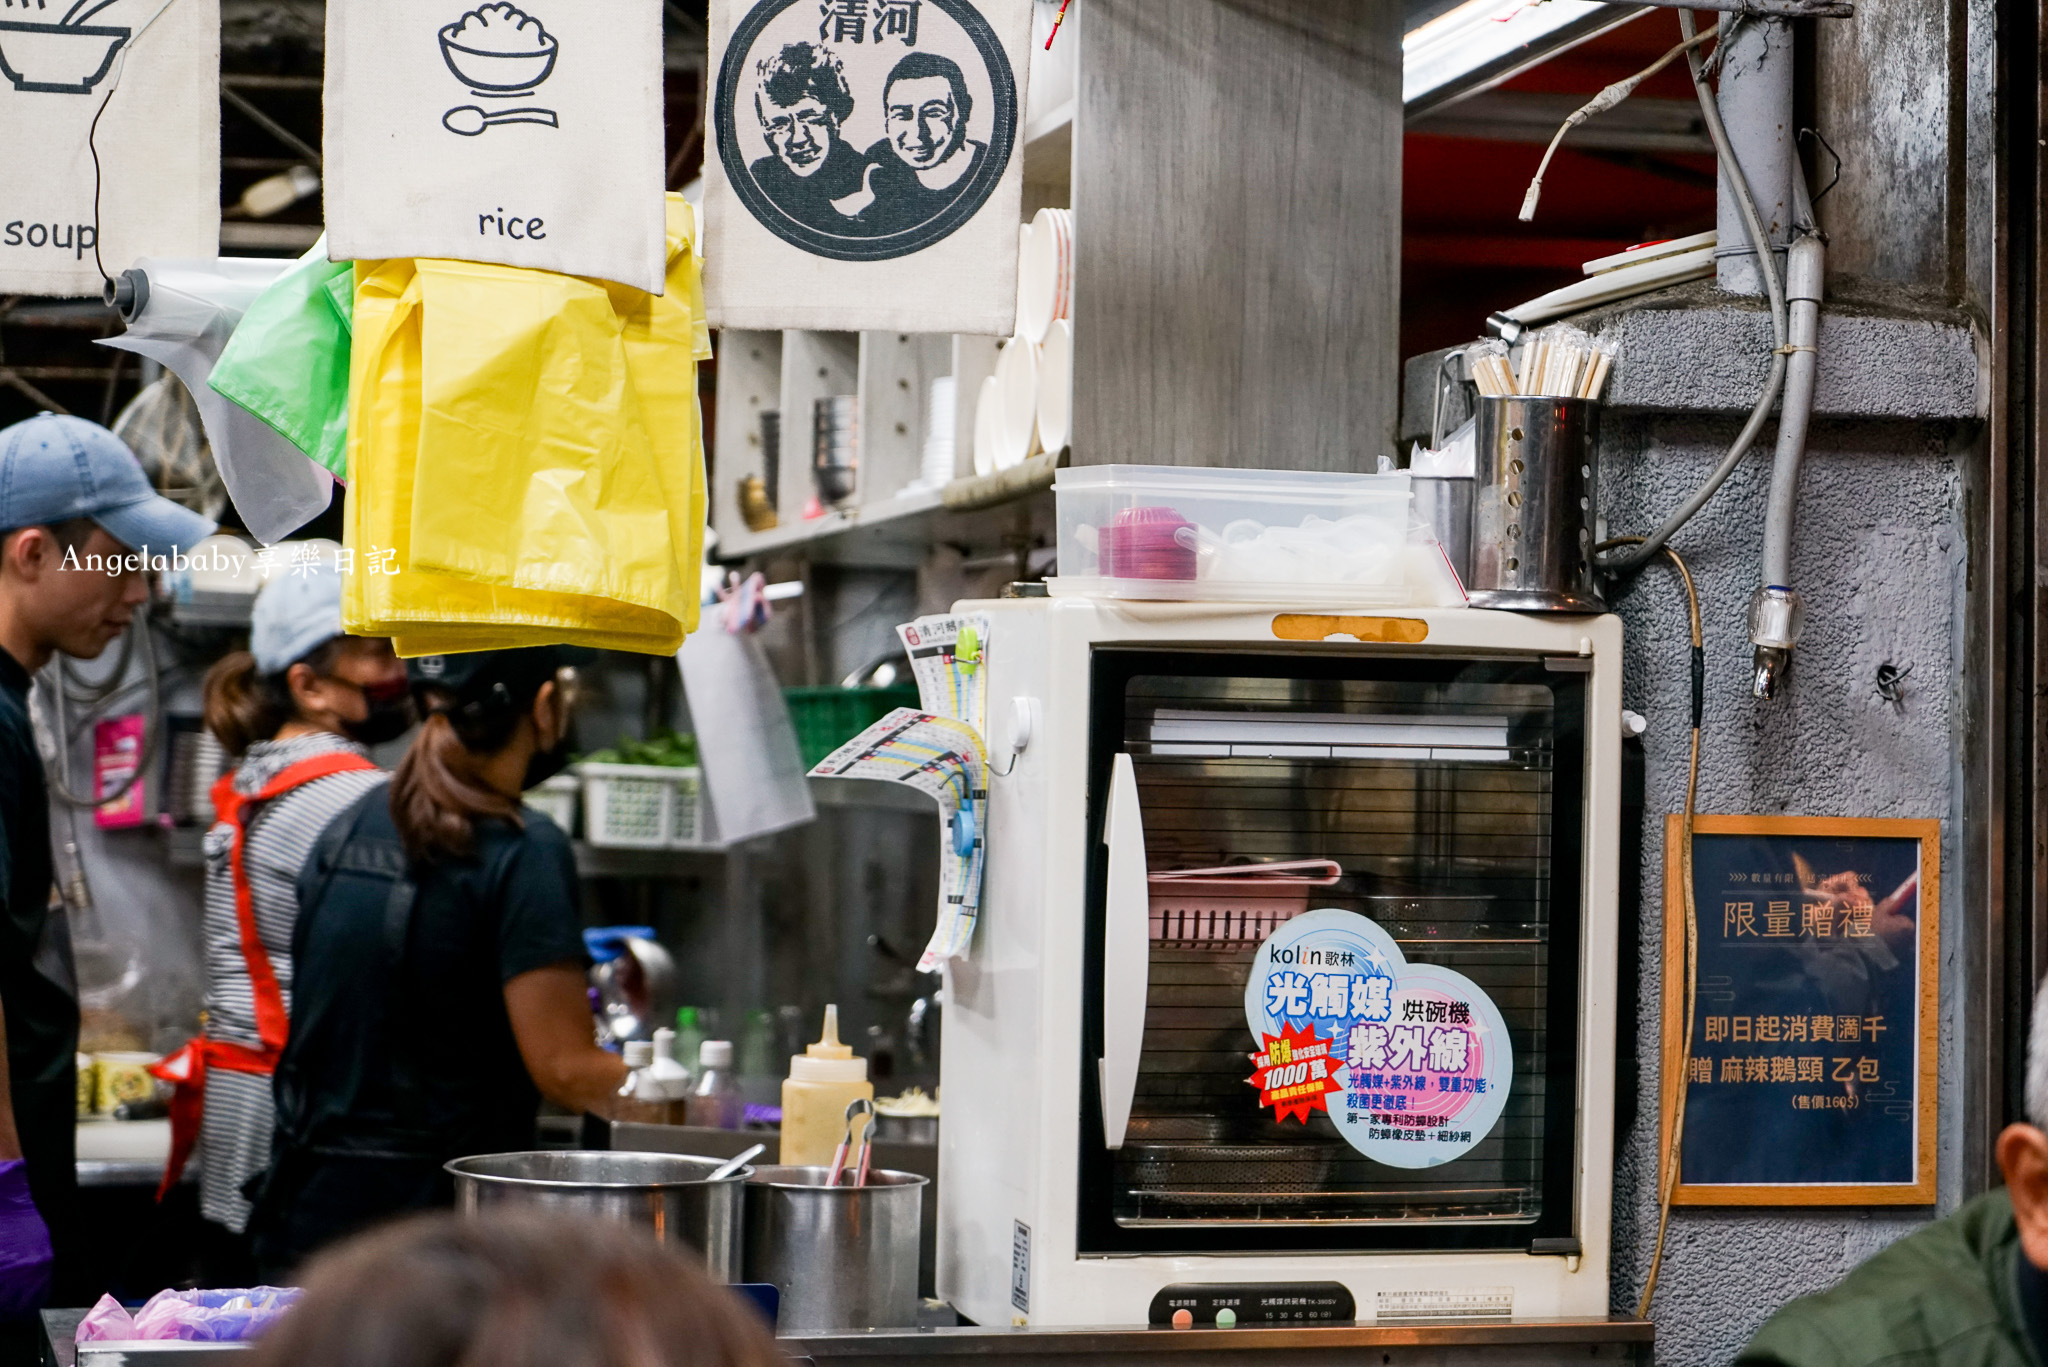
(1774, 284)
(1600, 104)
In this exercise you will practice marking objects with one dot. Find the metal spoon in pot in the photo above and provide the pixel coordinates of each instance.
(735, 1163)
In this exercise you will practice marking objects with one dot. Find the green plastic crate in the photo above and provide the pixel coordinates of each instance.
(827, 718)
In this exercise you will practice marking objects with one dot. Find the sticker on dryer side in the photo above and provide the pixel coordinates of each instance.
(1411, 1062)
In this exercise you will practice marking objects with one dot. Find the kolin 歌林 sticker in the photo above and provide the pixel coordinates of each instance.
(1411, 1062)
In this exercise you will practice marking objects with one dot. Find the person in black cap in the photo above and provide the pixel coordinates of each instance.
(440, 985)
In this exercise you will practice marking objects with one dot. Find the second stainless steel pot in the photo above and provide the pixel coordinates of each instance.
(843, 1257)
(663, 1192)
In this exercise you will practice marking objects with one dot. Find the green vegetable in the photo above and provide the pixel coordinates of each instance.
(665, 748)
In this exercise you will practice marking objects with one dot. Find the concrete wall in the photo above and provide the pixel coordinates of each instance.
(1880, 561)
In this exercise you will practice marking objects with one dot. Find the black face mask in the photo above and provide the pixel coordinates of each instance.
(545, 764)
(388, 713)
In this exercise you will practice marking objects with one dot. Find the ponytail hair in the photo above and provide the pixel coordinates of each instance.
(438, 793)
(243, 707)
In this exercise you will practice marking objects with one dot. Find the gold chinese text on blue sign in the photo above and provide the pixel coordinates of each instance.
(1806, 1042)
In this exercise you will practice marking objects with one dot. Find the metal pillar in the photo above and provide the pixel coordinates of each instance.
(1756, 105)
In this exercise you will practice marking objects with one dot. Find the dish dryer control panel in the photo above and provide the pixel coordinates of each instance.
(1295, 966)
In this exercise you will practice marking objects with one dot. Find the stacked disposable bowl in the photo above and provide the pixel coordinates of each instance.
(1026, 407)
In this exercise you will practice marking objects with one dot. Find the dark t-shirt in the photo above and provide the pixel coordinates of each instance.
(407, 1049)
(37, 980)
(808, 199)
(902, 201)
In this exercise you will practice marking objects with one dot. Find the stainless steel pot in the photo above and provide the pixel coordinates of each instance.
(663, 1192)
(906, 1129)
(843, 1257)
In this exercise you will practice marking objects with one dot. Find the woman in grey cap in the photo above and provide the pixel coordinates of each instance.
(297, 710)
(441, 989)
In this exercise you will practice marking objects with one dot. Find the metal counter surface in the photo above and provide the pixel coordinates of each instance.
(59, 1349)
(1518, 1343)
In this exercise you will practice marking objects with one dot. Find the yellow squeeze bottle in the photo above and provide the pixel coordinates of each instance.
(822, 1080)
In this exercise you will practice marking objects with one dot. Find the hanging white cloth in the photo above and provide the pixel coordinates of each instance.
(525, 134)
(149, 72)
(868, 167)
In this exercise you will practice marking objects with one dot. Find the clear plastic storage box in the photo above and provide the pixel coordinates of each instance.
(1172, 532)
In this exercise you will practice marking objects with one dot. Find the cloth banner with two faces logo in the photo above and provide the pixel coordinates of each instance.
(867, 167)
(516, 132)
(149, 72)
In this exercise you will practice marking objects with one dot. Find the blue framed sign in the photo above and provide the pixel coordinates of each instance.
(1811, 1073)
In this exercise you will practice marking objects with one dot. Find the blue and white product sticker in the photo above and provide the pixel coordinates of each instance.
(1412, 1062)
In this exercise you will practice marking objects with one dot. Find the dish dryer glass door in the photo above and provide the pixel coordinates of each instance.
(1446, 797)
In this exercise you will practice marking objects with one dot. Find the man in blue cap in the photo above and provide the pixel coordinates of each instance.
(77, 522)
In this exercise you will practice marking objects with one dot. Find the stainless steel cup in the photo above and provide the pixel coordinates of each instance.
(1445, 502)
(1533, 505)
(843, 1257)
(663, 1192)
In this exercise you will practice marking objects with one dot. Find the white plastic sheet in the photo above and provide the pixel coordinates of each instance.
(191, 310)
(752, 767)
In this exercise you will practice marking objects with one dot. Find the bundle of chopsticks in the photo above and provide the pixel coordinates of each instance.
(1550, 369)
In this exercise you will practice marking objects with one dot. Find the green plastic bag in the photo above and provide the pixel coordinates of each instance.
(288, 359)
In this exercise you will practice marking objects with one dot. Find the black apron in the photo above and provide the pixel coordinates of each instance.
(321, 1187)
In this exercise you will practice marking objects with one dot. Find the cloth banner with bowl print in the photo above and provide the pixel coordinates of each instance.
(513, 132)
(149, 71)
(867, 164)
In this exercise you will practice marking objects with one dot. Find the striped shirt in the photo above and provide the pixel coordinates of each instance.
(235, 1131)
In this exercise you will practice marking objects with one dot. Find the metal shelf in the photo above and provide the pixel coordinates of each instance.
(908, 518)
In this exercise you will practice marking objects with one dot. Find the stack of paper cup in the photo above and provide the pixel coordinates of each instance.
(935, 469)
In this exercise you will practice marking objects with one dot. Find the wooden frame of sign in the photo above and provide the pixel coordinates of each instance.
(1795, 1095)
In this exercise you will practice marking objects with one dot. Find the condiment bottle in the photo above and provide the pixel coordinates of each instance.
(716, 1102)
(636, 1095)
(666, 1079)
(823, 1079)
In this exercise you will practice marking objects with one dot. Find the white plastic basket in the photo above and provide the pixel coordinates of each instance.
(558, 798)
(641, 806)
(686, 815)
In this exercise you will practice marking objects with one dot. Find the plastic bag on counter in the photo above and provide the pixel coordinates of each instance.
(287, 361)
(233, 1315)
(525, 455)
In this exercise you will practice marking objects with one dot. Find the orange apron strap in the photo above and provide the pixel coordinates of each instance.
(186, 1071)
(235, 808)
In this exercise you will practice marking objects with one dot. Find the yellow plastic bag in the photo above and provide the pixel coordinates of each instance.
(526, 456)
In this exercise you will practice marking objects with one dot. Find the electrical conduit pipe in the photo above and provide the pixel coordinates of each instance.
(1775, 611)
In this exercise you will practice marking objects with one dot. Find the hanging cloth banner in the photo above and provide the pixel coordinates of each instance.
(869, 169)
(525, 134)
(149, 71)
